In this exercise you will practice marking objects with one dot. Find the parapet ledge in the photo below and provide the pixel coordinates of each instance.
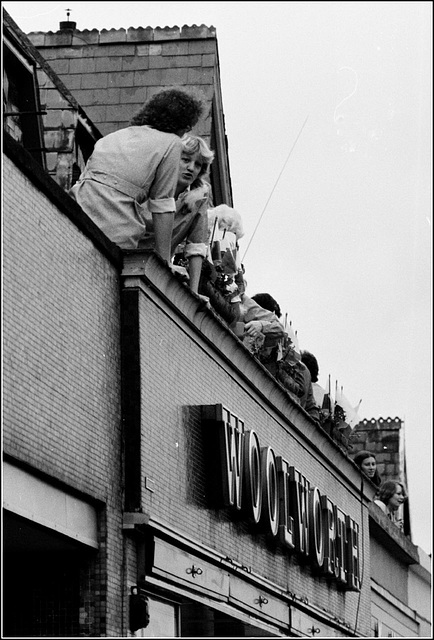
(423, 568)
(391, 537)
(148, 270)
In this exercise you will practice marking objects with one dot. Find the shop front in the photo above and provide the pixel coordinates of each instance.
(242, 517)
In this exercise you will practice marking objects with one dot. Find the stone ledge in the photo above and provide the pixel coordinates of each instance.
(147, 272)
(391, 537)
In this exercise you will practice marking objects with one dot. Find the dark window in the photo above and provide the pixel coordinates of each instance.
(21, 108)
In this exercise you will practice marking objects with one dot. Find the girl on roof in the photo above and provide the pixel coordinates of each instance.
(192, 198)
(367, 463)
(390, 496)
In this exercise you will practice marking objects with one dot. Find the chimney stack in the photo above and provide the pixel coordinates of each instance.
(67, 25)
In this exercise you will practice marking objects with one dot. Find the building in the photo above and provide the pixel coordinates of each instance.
(158, 481)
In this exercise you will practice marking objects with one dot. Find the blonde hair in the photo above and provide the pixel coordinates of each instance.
(193, 144)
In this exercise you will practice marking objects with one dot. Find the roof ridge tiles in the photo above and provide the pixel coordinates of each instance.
(194, 30)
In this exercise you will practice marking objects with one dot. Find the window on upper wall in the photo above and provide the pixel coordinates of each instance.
(21, 108)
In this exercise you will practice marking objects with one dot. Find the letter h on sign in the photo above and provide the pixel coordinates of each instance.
(299, 487)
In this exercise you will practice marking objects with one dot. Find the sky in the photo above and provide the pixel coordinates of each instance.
(328, 115)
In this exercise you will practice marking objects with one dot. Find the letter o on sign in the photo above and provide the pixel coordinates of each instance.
(316, 527)
(270, 498)
(252, 476)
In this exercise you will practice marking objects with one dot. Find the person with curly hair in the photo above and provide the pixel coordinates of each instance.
(136, 165)
(192, 198)
(267, 302)
(312, 364)
(296, 378)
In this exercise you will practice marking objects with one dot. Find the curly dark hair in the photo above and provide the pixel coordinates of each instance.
(171, 110)
(311, 363)
(267, 302)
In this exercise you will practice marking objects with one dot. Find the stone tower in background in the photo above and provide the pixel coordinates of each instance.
(385, 438)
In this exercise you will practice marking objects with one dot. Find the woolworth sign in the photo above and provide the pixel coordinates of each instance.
(278, 499)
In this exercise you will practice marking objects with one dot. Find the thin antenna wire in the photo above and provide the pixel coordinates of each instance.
(275, 185)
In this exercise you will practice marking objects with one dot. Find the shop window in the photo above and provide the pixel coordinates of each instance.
(163, 619)
(48, 582)
(201, 621)
(41, 595)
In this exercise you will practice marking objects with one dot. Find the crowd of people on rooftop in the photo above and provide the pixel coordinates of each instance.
(147, 187)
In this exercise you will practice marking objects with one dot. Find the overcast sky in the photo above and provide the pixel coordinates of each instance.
(344, 241)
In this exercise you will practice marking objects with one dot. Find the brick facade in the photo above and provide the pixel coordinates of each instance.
(61, 376)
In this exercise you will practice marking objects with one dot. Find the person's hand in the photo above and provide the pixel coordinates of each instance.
(253, 328)
(205, 299)
(180, 271)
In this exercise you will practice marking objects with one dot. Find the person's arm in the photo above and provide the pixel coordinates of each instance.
(227, 311)
(162, 197)
(287, 379)
(260, 320)
(196, 240)
(310, 404)
(194, 271)
(163, 227)
(397, 520)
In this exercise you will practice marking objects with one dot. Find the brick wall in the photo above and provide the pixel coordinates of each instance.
(389, 574)
(61, 364)
(61, 315)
